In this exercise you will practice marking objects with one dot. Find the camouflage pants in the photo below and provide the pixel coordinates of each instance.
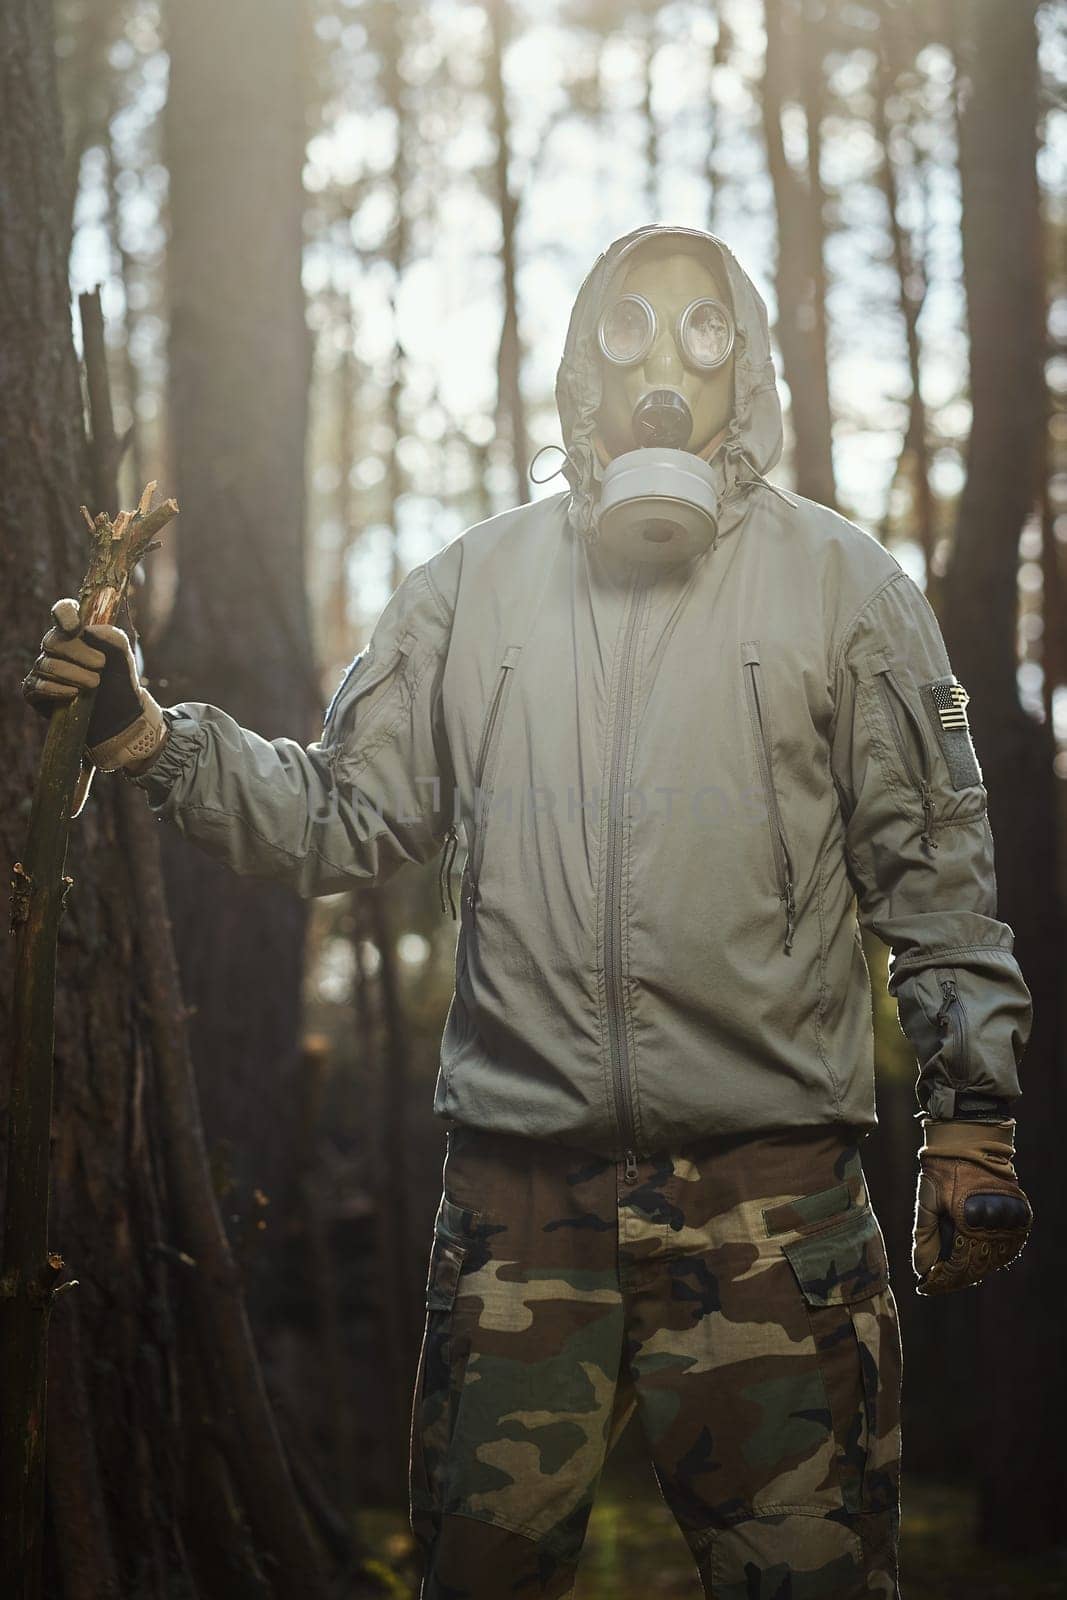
(736, 1295)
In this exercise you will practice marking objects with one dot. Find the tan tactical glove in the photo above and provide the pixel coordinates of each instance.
(126, 727)
(971, 1216)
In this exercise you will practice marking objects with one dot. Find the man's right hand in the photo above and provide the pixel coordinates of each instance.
(126, 728)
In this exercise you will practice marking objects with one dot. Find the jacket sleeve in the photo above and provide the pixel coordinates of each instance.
(374, 792)
(920, 851)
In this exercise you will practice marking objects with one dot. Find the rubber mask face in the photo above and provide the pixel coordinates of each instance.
(646, 401)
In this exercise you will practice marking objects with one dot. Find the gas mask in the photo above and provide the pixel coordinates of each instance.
(666, 340)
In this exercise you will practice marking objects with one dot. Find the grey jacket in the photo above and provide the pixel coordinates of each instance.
(682, 795)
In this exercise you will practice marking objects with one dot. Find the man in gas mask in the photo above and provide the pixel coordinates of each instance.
(697, 732)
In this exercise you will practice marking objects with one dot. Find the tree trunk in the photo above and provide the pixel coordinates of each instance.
(800, 279)
(124, 268)
(511, 404)
(650, 42)
(337, 632)
(911, 285)
(1021, 1393)
(401, 1322)
(112, 1426)
(239, 635)
(720, 54)
(396, 97)
(86, 88)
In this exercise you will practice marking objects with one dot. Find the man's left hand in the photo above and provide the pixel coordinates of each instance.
(971, 1216)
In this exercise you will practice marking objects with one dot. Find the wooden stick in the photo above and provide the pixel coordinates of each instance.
(30, 1274)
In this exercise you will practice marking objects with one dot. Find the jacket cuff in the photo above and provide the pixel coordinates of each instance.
(185, 740)
(939, 1104)
(965, 1105)
(972, 1107)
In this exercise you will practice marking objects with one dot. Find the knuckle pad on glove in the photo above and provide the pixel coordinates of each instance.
(995, 1211)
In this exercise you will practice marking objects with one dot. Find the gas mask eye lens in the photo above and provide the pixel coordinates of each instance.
(626, 330)
(706, 334)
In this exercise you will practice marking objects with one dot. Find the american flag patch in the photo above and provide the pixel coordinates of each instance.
(950, 699)
(946, 703)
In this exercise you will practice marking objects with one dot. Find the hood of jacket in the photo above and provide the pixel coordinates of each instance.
(754, 434)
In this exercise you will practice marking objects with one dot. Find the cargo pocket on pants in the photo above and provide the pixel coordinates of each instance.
(843, 1275)
(439, 1379)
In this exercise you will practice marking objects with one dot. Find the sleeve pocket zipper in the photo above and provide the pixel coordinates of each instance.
(357, 687)
(482, 773)
(952, 1022)
(783, 864)
(892, 696)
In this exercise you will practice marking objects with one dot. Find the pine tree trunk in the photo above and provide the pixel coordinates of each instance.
(911, 283)
(111, 1428)
(511, 403)
(1020, 1397)
(800, 274)
(239, 637)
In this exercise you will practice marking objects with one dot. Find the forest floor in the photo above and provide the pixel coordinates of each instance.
(633, 1549)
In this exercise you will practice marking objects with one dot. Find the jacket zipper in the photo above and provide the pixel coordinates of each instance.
(613, 975)
(783, 862)
(481, 766)
(444, 873)
(893, 695)
(952, 1007)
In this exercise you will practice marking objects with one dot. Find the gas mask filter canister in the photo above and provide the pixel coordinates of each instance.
(659, 503)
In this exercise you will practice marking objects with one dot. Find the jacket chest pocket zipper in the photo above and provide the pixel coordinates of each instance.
(355, 687)
(485, 769)
(783, 861)
(893, 697)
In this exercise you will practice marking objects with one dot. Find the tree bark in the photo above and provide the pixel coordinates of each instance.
(800, 274)
(239, 635)
(110, 1434)
(720, 54)
(911, 282)
(86, 88)
(396, 96)
(401, 1323)
(650, 42)
(124, 267)
(1021, 1396)
(511, 403)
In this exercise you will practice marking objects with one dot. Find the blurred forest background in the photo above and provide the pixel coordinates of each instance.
(338, 242)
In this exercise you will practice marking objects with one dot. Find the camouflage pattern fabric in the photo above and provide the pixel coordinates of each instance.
(736, 1294)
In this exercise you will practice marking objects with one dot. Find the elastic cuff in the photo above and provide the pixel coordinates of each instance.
(185, 740)
(974, 1107)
